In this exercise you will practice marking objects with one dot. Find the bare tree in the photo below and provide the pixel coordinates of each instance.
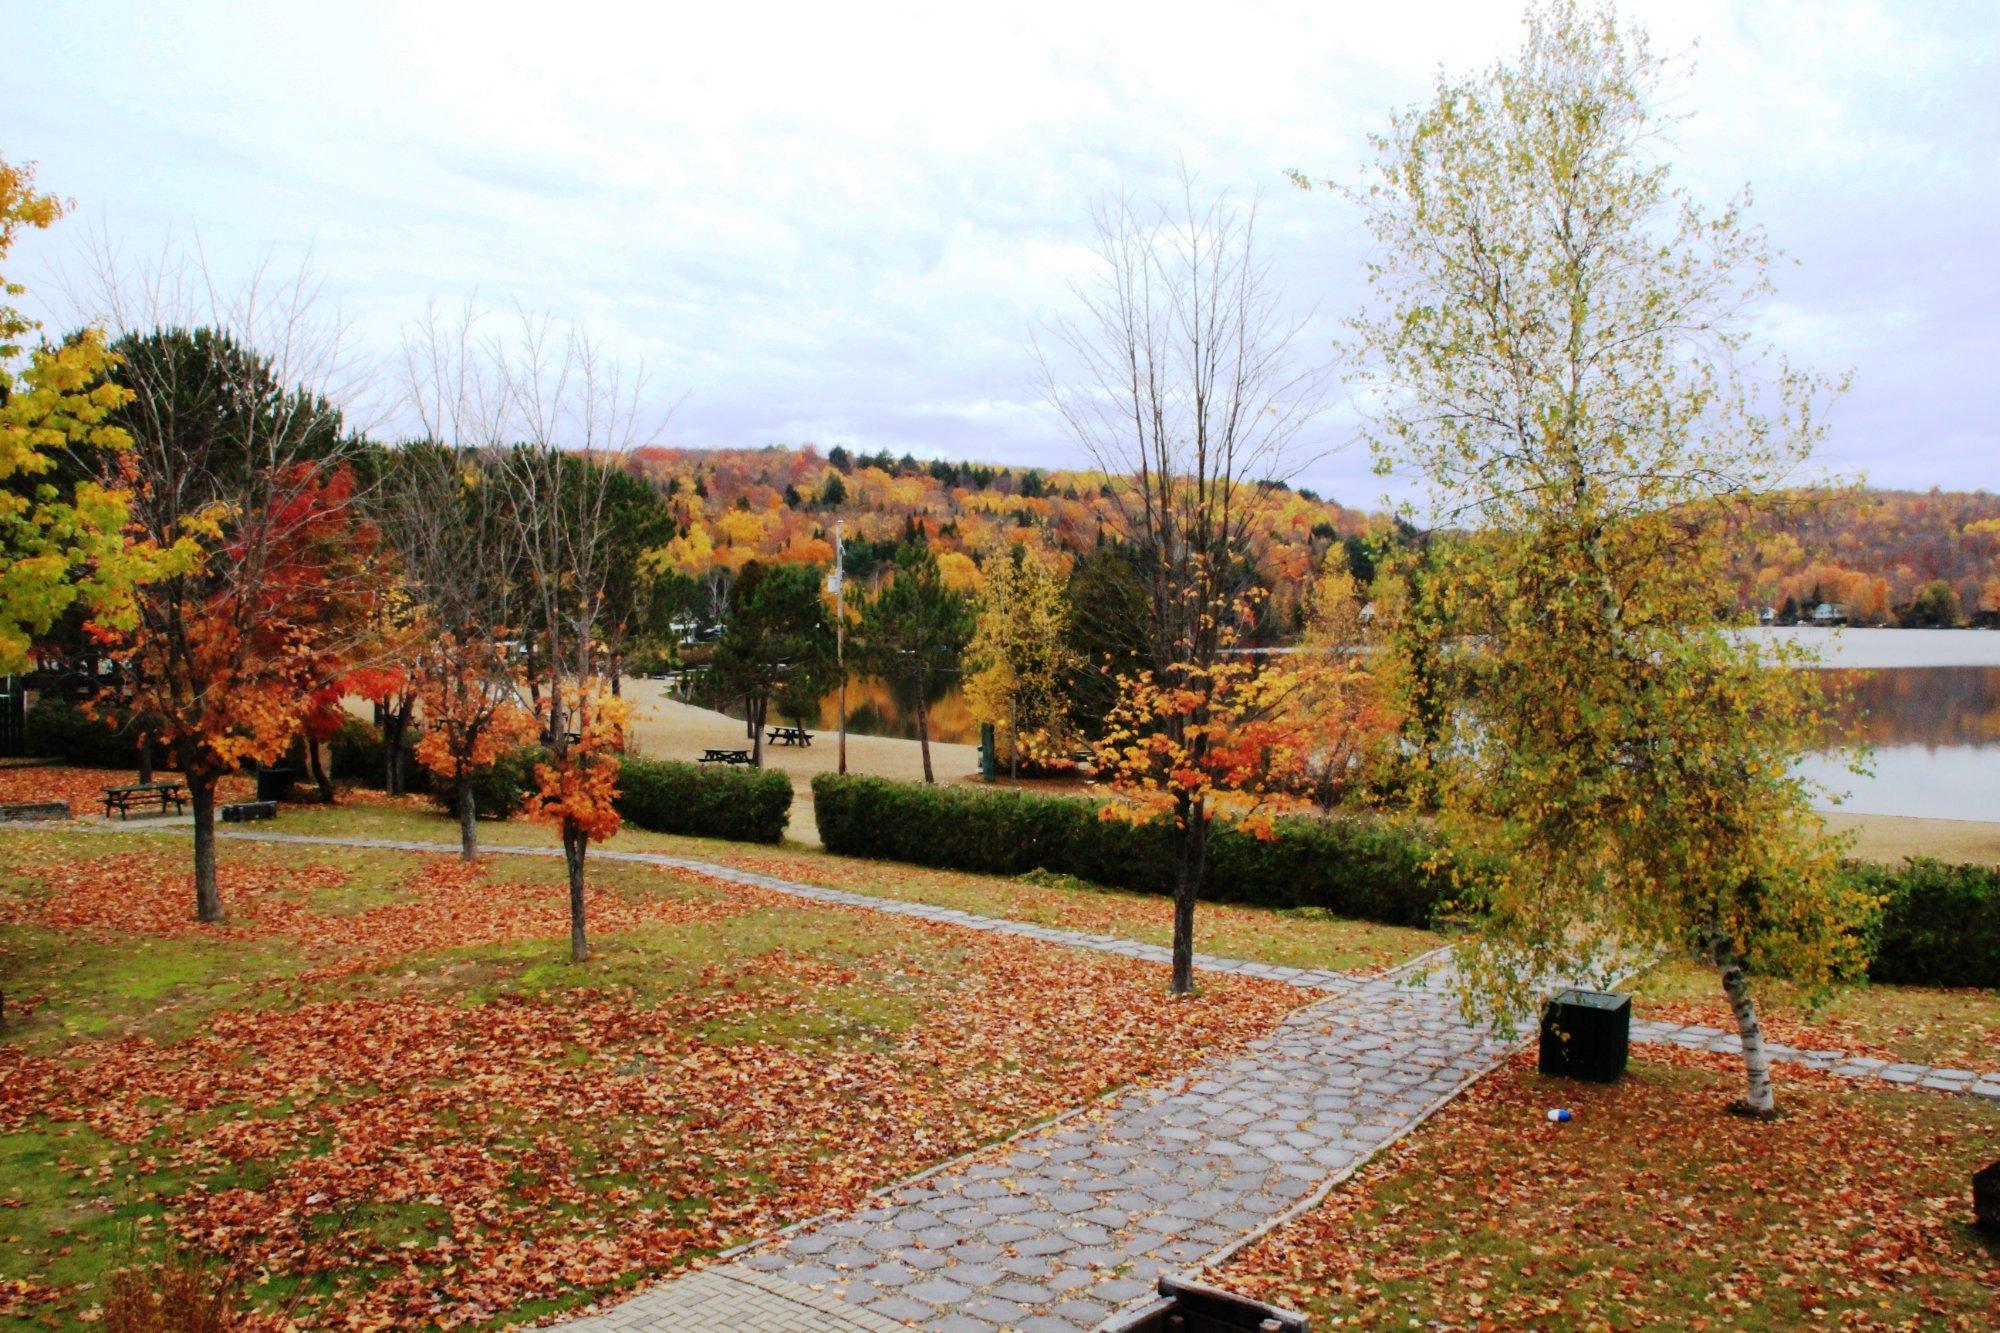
(1181, 378)
(450, 521)
(577, 411)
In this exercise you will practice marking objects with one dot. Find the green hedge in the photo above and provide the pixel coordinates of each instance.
(355, 755)
(56, 729)
(1368, 869)
(498, 790)
(1939, 924)
(744, 804)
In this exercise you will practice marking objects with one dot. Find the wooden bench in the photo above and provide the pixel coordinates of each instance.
(725, 757)
(144, 795)
(790, 736)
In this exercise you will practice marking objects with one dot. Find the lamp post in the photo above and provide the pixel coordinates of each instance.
(839, 581)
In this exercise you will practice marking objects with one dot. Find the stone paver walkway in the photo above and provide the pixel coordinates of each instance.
(1939, 1078)
(1058, 1229)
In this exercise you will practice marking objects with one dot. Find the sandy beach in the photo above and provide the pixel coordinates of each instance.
(666, 728)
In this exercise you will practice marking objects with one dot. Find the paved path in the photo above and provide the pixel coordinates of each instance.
(1058, 1229)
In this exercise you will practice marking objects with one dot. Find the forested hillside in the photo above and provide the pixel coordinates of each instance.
(1880, 554)
(781, 504)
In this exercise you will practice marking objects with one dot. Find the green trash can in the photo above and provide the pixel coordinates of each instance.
(989, 764)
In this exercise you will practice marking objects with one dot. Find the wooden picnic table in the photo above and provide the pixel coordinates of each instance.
(790, 736)
(139, 795)
(720, 756)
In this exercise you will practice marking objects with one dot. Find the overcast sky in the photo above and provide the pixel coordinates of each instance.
(838, 222)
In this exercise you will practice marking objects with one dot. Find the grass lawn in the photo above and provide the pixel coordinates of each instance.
(1654, 1208)
(379, 1089)
(1958, 1028)
(1296, 939)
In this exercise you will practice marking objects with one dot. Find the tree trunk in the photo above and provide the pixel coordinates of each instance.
(1191, 856)
(756, 711)
(924, 730)
(207, 897)
(575, 844)
(468, 821)
(145, 756)
(321, 779)
(1758, 1099)
(1014, 741)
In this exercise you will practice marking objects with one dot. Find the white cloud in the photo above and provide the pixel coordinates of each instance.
(842, 221)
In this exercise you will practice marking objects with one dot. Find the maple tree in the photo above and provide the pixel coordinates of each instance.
(1560, 347)
(60, 544)
(1019, 657)
(1337, 706)
(264, 584)
(1200, 744)
(914, 629)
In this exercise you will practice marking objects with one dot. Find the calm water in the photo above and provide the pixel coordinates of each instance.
(1927, 700)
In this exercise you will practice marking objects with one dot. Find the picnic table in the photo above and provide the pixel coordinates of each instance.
(718, 756)
(790, 736)
(140, 795)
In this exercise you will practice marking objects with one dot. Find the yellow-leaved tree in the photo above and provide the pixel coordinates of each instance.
(61, 533)
(1562, 345)
(1020, 657)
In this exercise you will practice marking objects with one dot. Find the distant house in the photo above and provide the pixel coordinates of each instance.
(1767, 615)
(1827, 613)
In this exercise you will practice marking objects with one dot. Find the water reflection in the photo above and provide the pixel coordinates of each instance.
(1924, 706)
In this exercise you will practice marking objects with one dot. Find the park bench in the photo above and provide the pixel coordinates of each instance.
(790, 736)
(242, 812)
(144, 795)
(714, 756)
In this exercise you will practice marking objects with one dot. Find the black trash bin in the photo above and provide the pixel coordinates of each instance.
(275, 784)
(1586, 1034)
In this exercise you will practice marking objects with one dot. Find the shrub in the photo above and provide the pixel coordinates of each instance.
(355, 753)
(500, 789)
(57, 729)
(1351, 867)
(747, 805)
(1939, 924)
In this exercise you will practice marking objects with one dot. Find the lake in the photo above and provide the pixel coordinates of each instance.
(1927, 700)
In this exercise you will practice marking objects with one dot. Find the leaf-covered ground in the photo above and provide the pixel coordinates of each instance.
(379, 1088)
(1289, 938)
(83, 788)
(1653, 1208)
(1957, 1028)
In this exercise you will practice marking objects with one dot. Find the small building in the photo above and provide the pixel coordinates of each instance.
(1829, 613)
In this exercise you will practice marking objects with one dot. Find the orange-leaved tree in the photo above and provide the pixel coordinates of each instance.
(469, 694)
(230, 649)
(577, 789)
(1204, 742)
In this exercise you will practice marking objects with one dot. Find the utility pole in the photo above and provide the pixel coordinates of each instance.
(839, 581)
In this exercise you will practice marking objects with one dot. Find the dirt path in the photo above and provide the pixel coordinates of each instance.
(669, 729)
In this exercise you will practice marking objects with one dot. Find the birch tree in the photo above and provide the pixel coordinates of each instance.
(1563, 344)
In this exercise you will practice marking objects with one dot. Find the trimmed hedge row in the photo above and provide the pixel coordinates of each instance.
(499, 790)
(1354, 868)
(747, 805)
(1939, 924)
